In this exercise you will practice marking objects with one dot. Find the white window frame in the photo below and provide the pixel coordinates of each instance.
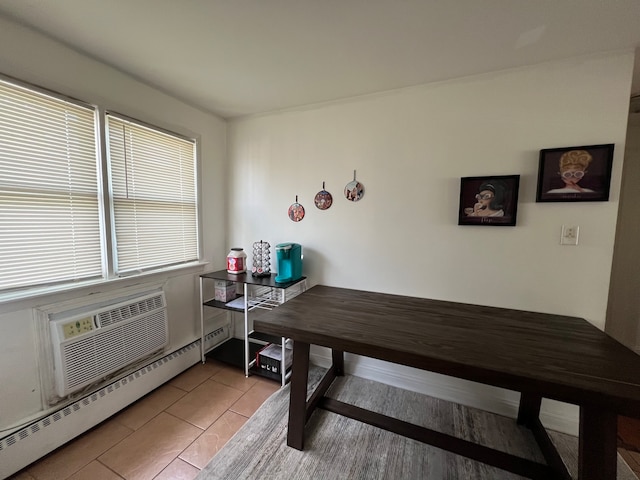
(108, 247)
(138, 125)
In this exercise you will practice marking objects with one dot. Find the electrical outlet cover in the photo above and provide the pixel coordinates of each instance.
(569, 235)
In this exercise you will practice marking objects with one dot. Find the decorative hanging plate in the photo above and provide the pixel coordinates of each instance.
(354, 190)
(296, 211)
(323, 199)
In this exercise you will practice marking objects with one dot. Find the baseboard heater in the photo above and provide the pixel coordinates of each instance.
(97, 358)
(33, 441)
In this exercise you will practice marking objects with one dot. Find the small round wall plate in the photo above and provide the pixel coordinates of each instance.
(323, 199)
(296, 212)
(354, 191)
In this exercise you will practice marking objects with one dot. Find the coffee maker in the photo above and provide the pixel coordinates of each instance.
(289, 260)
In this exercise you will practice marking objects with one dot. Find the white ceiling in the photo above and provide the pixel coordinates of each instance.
(239, 57)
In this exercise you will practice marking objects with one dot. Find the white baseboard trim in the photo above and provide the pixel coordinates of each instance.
(41, 437)
(554, 415)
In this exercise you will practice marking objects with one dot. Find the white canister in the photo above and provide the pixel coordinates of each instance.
(237, 261)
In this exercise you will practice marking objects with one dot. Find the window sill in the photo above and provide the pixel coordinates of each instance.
(35, 295)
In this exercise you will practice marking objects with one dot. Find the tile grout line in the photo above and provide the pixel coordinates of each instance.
(204, 430)
(110, 469)
(243, 393)
(230, 382)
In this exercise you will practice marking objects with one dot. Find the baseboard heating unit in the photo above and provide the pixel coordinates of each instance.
(34, 440)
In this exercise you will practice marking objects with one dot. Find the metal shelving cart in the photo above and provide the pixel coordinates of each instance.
(257, 293)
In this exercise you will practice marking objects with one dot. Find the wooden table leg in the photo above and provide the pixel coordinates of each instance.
(337, 358)
(298, 395)
(598, 458)
(529, 409)
(529, 416)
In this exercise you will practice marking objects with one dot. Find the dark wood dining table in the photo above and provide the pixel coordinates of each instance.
(540, 355)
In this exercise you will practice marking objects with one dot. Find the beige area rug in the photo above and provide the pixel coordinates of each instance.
(340, 448)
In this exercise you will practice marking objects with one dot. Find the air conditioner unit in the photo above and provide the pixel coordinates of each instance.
(90, 344)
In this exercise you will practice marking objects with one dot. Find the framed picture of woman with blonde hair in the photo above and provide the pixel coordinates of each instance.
(575, 174)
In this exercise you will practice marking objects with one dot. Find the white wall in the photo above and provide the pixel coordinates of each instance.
(33, 58)
(410, 148)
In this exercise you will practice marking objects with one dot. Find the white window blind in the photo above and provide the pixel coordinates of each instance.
(49, 209)
(153, 181)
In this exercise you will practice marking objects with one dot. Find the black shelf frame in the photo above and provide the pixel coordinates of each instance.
(223, 305)
(233, 351)
(265, 337)
(266, 281)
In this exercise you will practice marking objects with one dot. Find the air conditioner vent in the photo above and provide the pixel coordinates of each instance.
(90, 345)
(126, 312)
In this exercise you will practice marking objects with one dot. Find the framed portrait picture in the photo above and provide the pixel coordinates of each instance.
(490, 201)
(575, 174)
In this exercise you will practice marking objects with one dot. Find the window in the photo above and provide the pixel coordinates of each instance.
(49, 208)
(154, 196)
(52, 217)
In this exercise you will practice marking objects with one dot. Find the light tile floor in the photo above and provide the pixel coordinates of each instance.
(170, 434)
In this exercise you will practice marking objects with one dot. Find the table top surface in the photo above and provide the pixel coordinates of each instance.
(560, 357)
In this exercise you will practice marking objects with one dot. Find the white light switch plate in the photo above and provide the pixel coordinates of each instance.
(569, 235)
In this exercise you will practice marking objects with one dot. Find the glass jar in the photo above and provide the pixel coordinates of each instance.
(236, 261)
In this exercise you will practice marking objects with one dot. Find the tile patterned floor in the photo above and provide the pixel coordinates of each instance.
(173, 432)
(170, 434)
